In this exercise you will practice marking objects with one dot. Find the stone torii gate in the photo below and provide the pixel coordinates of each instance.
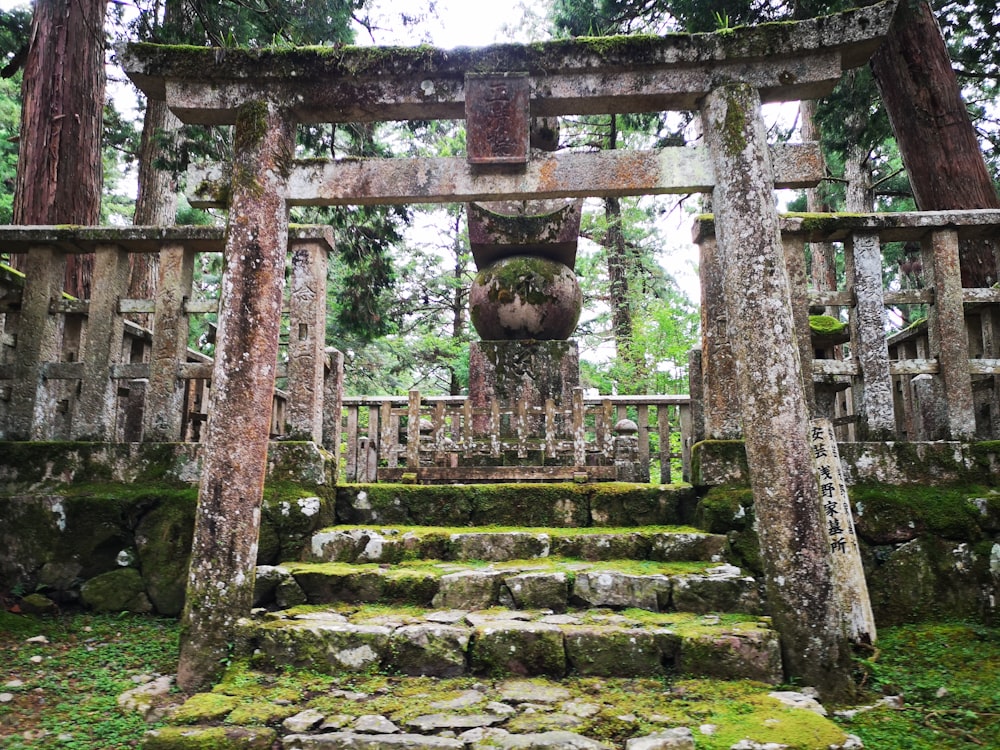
(726, 75)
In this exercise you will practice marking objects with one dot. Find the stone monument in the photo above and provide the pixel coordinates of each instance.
(525, 302)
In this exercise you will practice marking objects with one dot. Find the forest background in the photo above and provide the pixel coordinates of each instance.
(399, 276)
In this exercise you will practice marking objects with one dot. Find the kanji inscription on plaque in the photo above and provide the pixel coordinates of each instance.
(497, 118)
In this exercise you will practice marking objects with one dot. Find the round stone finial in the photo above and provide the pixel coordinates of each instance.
(521, 297)
(626, 427)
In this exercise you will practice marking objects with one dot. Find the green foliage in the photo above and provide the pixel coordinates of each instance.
(10, 122)
(72, 695)
(949, 678)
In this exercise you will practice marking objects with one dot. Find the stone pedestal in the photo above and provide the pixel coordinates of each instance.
(507, 371)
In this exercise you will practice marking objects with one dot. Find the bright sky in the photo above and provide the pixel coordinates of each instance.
(457, 23)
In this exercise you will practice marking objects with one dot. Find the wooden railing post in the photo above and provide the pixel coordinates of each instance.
(37, 344)
(163, 417)
(873, 400)
(96, 406)
(948, 337)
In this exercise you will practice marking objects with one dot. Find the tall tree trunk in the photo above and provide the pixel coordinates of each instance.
(936, 139)
(823, 270)
(459, 303)
(59, 172)
(618, 285)
(156, 202)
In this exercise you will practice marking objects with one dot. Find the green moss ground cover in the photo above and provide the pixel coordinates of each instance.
(68, 699)
(948, 674)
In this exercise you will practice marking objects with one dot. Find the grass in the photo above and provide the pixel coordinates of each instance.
(69, 698)
(949, 677)
(947, 673)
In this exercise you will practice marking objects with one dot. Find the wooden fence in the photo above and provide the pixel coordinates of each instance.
(88, 369)
(938, 380)
(444, 439)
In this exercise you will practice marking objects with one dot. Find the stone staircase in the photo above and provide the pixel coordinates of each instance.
(546, 602)
(391, 636)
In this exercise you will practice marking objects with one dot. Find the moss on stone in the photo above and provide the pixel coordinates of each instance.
(889, 513)
(260, 713)
(726, 508)
(825, 325)
(204, 707)
(209, 738)
(733, 127)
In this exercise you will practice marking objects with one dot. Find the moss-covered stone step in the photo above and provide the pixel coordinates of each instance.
(450, 643)
(305, 709)
(561, 504)
(390, 544)
(552, 583)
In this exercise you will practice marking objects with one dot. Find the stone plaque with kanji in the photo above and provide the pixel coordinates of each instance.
(497, 118)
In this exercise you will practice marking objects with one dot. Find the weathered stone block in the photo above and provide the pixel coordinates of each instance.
(539, 591)
(354, 741)
(749, 654)
(163, 542)
(607, 588)
(117, 591)
(558, 740)
(474, 589)
(932, 578)
(633, 546)
(677, 738)
(672, 547)
(500, 546)
(620, 504)
(727, 591)
(325, 584)
(330, 647)
(433, 650)
(518, 648)
(613, 652)
(217, 738)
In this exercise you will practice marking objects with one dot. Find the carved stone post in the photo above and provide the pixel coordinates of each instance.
(163, 417)
(873, 401)
(769, 381)
(949, 341)
(306, 338)
(37, 343)
(721, 404)
(795, 264)
(224, 549)
(95, 412)
(333, 405)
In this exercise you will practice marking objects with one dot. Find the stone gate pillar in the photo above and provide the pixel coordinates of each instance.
(234, 457)
(770, 389)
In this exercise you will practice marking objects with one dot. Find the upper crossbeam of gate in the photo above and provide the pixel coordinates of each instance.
(785, 61)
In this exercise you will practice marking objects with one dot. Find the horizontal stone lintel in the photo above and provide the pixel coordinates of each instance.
(890, 227)
(453, 180)
(786, 61)
(551, 94)
(73, 239)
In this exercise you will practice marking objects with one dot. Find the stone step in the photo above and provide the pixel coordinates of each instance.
(256, 709)
(555, 584)
(562, 504)
(451, 643)
(390, 544)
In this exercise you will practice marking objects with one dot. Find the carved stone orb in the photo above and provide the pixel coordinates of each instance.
(521, 297)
